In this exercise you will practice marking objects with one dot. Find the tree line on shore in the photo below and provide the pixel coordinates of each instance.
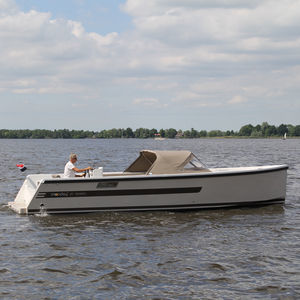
(259, 131)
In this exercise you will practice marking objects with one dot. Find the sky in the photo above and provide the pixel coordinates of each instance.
(95, 64)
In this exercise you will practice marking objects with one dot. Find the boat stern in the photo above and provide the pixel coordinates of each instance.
(26, 193)
(19, 208)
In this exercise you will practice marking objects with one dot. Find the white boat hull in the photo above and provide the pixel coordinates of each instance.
(218, 188)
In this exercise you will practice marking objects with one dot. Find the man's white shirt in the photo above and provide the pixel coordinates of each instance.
(69, 172)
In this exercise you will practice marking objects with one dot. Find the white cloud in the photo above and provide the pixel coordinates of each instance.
(78, 105)
(169, 36)
(51, 55)
(146, 101)
(7, 6)
(238, 99)
(149, 102)
(195, 53)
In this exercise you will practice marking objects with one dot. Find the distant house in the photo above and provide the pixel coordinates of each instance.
(179, 135)
(158, 137)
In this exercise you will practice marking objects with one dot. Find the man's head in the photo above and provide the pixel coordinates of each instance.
(73, 158)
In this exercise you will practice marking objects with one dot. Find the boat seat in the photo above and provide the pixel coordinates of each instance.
(55, 176)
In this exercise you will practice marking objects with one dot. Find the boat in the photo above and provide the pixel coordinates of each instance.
(158, 137)
(156, 180)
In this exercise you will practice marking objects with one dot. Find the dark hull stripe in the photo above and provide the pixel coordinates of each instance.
(129, 192)
(164, 177)
(157, 207)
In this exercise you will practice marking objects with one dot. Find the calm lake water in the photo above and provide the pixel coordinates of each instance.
(244, 253)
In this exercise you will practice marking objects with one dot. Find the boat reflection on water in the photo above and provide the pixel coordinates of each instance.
(161, 218)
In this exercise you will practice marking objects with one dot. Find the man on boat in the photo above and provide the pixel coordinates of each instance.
(71, 170)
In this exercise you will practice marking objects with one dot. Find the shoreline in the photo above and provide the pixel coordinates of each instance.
(151, 138)
(249, 131)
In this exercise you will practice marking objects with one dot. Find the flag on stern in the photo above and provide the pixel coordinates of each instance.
(21, 167)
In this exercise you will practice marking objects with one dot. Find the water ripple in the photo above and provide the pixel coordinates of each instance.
(242, 253)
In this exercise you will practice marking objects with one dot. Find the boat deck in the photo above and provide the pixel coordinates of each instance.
(34, 180)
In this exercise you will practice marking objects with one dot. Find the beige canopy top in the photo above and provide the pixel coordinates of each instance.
(166, 162)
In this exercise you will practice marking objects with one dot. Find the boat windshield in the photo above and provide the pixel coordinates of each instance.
(194, 163)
